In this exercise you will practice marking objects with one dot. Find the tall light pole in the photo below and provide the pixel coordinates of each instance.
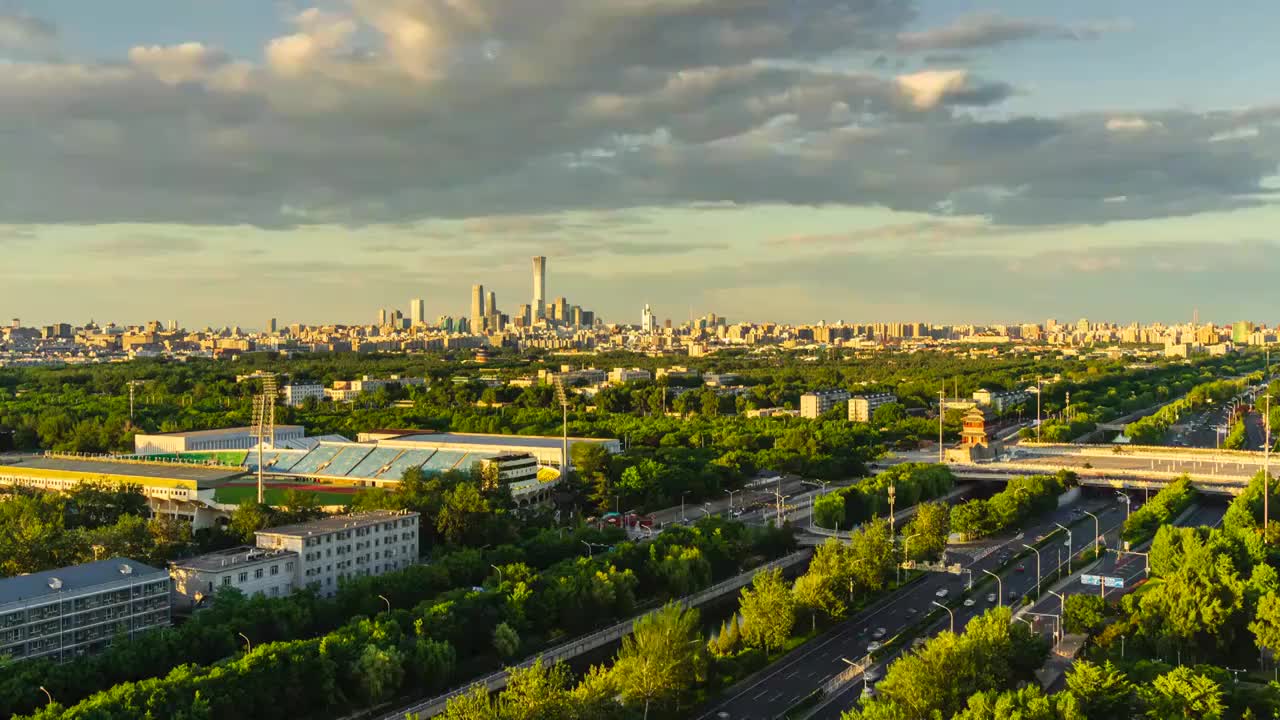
(248, 646)
(385, 600)
(495, 567)
(731, 492)
(46, 694)
(1037, 552)
(1266, 463)
(999, 588)
(683, 517)
(1070, 547)
(1062, 607)
(949, 612)
(1096, 533)
(898, 573)
(893, 493)
(942, 412)
(1038, 392)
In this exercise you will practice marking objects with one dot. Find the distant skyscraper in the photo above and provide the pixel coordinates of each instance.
(526, 315)
(539, 287)
(477, 308)
(562, 310)
(271, 326)
(417, 312)
(646, 319)
(382, 317)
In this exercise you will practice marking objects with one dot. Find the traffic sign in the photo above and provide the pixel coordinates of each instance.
(1104, 580)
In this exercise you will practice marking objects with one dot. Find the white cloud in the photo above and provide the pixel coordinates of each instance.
(175, 64)
(927, 88)
(1132, 123)
(25, 32)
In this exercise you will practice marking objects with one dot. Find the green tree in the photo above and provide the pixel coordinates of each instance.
(931, 526)
(380, 671)
(248, 518)
(506, 641)
(768, 611)
(1183, 694)
(828, 511)
(660, 658)
(888, 414)
(1083, 613)
(1266, 624)
(462, 509)
(1098, 691)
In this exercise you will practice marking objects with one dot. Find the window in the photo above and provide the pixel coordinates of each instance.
(226, 580)
(275, 592)
(244, 576)
(257, 574)
(288, 566)
(275, 569)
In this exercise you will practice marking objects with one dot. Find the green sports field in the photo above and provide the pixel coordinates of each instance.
(235, 494)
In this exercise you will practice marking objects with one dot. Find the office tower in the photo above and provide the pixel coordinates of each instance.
(562, 310)
(667, 324)
(646, 320)
(173, 326)
(576, 314)
(526, 315)
(491, 304)
(539, 287)
(477, 308)
(417, 312)
(588, 318)
(271, 326)
(382, 317)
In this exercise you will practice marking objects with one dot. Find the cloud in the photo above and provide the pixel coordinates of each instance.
(987, 31)
(147, 245)
(175, 64)
(928, 87)
(1131, 124)
(24, 32)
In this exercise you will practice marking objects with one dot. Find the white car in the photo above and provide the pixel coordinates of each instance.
(991, 597)
(969, 602)
(872, 675)
(942, 592)
(879, 633)
(874, 646)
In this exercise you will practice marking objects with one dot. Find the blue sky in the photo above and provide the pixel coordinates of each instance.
(223, 162)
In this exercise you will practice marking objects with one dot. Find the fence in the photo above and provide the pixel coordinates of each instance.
(573, 648)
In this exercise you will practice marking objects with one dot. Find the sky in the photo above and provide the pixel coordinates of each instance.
(940, 161)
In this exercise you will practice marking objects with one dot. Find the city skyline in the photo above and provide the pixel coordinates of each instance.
(985, 162)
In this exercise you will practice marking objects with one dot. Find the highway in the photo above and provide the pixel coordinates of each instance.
(1132, 568)
(798, 674)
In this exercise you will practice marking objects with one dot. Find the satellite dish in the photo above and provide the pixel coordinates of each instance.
(55, 584)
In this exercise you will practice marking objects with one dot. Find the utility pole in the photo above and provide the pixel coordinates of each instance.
(942, 412)
(1038, 393)
(893, 493)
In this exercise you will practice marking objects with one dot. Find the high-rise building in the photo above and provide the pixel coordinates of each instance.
(417, 312)
(575, 314)
(539, 287)
(1240, 331)
(526, 315)
(646, 319)
(477, 308)
(271, 326)
(382, 317)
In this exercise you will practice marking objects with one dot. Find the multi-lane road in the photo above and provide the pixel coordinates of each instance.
(797, 675)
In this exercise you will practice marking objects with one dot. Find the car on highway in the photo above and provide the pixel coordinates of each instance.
(872, 675)
(991, 597)
(911, 612)
(1013, 595)
(874, 645)
(1023, 568)
(969, 602)
(942, 592)
(879, 633)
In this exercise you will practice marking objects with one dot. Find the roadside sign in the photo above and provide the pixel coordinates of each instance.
(1104, 580)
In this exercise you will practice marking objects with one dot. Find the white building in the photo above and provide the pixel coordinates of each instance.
(813, 404)
(862, 407)
(344, 546)
(626, 375)
(238, 438)
(297, 395)
(251, 570)
(79, 610)
(999, 400)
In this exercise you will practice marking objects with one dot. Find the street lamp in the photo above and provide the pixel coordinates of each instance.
(590, 553)
(1097, 534)
(46, 694)
(1128, 504)
(248, 646)
(898, 573)
(500, 578)
(999, 587)
(731, 492)
(1062, 606)
(949, 612)
(385, 600)
(683, 517)
(1037, 552)
(1070, 547)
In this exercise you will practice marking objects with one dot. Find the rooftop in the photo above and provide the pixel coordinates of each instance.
(335, 523)
(243, 555)
(480, 439)
(109, 468)
(221, 431)
(37, 586)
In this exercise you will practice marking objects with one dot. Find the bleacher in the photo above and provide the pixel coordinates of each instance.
(410, 458)
(377, 459)
(444, 460)
(310, 464)
(286, 459)
(346, 459)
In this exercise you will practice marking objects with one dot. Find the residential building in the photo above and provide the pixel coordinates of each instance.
(66, 613)
(251, 570)
(813, 404)
(297, 395)
(862, 407)
(335, 548)
(626, 375)
(1000, 399)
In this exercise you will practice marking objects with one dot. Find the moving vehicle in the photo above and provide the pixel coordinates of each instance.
(942, 592)
(969, 602)
(991, 597)
(874, 646)
(879, 633)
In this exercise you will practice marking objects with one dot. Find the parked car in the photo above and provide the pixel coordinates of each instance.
(942, 592)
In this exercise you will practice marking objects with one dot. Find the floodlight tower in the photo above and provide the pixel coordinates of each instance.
(264, 421)
(564, 427)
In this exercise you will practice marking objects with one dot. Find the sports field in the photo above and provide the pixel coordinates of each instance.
(234, 493)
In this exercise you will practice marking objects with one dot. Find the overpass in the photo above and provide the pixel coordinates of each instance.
(1225, 472)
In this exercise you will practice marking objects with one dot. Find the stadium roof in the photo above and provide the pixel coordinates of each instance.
(37, 586)
(481, 439)
(219, 431)
(114, 470)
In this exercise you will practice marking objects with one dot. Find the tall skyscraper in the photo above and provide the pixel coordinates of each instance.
(646, 320)
(271, 326)
(539, 287)
(417, 312)
(477, 308)
(382, 317)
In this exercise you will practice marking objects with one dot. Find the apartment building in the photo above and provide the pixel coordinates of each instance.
(65, 613)
(862, 407)
(251, 570)
(298, 394)
(1000, 399)
(813, 404)
(344, 546)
